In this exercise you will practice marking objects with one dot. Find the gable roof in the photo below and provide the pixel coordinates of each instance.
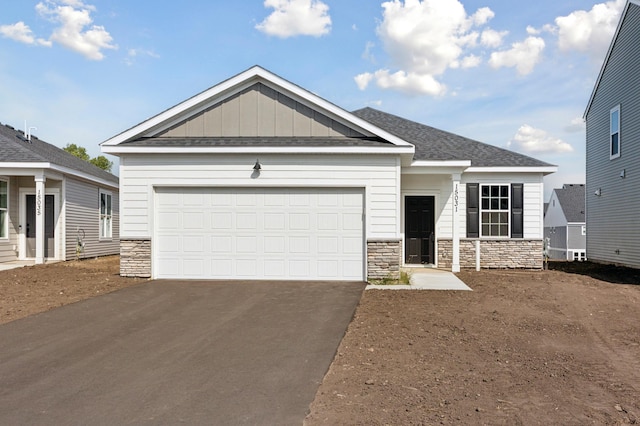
(437, 145)
(608, 55)
(572, 201)
(15, 148)
(131, 139)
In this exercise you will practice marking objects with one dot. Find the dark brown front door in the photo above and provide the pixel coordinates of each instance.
(419, 226)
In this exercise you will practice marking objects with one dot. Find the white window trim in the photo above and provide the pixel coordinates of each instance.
(100, 218)
(614, 156)
(508, 211)
(6, 223)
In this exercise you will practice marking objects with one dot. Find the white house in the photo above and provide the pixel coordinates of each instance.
(258, 178)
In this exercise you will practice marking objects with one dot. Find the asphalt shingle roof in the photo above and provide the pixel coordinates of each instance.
(572, 200)
(437, 145)
(15, 149)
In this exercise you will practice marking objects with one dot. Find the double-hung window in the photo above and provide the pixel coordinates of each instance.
(494, 210)
(4, 209)
(106, 215)
(614, 133)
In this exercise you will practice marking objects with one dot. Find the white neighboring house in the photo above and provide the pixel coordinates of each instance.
(53, 206)
(258, 178)
(612, 149)
(564, 223)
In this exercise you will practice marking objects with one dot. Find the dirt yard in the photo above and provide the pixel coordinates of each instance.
(525, 347)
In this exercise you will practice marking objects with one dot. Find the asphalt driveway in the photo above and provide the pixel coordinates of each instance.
(168, 352)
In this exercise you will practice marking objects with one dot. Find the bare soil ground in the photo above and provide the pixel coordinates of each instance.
(33, 289)
(525, 347)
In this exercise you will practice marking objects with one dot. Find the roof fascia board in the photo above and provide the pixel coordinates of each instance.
(608, 55)
(85, 176)
(32, 169)
(240, 82)
(115, 150)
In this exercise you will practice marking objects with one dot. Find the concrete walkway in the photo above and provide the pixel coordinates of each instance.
(427, 279)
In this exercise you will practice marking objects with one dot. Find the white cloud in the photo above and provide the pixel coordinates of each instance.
(363, 80)
(523, 55)
(589, 31)
(367, 55)
(132, 54)
(296, 17)
(576, 125)
(423, 39)
(22, 33)
(492, 38)
(74, 17)
(531, 140)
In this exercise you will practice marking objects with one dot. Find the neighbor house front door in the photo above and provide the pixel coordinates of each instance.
(419, 226)
(49, 226)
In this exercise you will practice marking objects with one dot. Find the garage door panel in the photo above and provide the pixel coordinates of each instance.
(254, 233)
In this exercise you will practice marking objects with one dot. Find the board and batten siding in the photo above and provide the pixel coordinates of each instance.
(441, 187)
(258, 111)
(82, 212)
(613, 223)
(378, 175)
(7, 252)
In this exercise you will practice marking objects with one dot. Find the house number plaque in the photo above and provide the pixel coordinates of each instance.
(39, 203)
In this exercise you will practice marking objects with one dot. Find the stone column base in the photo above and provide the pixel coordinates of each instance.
(135, 258)
(383, 259)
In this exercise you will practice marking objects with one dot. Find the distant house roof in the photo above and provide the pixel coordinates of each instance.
(437, 145)
(572, 201)
(15, 148)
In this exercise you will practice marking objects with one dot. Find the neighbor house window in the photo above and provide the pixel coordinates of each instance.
(105, 214)
(614, 131)
(4, 209)
(494, 210)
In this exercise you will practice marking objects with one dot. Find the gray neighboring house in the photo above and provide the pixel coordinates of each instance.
(53, 206)
(612, 149)
(564, 223)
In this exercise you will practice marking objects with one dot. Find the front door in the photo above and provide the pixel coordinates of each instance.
(419, 226)
(49, 226)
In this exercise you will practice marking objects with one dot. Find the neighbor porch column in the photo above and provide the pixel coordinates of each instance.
(40, 192)
(455, 261)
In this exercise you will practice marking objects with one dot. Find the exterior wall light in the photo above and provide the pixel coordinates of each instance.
(598, 192)
(257, 166)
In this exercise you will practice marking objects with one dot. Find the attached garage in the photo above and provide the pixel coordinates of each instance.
(259, 233)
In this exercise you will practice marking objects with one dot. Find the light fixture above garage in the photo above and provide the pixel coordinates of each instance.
(257, 166)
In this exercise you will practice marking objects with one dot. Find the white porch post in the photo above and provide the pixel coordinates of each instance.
(40, 193)
(455, 261)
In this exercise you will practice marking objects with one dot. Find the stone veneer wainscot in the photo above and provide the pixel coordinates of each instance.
(383, 259)
(507, 254)
(135, 258)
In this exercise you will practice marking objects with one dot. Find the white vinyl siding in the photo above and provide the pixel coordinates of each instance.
(82, 212)
(441, 187)
(377, 175)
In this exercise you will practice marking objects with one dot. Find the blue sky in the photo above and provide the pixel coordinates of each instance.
(513, 74)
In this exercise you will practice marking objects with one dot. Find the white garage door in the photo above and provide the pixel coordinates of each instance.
(252, 233)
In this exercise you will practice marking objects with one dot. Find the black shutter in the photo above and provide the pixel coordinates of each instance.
(473, 212)
(517, 202)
